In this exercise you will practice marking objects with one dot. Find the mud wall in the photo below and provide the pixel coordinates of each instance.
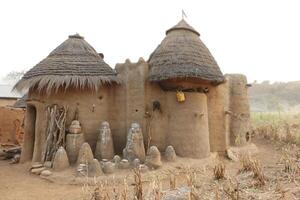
(92, 109)
(219, 120)
(11, 125)
(7, 102)
(239, 108)
(188, 125)
(204, 122)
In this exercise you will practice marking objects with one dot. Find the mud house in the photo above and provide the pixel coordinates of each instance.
(179, 97)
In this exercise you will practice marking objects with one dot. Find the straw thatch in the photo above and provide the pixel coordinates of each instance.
(183, 55)
(74, 63)
(21, 103)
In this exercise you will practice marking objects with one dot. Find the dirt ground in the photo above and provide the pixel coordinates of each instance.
(17, 183)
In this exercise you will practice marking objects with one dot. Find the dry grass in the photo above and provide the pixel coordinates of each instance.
(277, 127)
(253, 165)
(138, 185)
(219, 171)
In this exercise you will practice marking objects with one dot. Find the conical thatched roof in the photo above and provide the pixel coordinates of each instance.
(73, 63)
(183, 55)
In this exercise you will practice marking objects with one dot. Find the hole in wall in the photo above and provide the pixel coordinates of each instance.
(100, 97)
(136, 110)
(247, 136)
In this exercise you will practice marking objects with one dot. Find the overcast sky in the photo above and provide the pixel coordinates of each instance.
(259, 38)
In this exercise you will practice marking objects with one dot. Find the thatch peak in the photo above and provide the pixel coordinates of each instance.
(182, 55)
(76, 36)
(182, 25)
(74, 63)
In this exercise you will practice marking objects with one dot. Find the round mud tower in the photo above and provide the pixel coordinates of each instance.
(153, 158)
(105, 146)
(239, 107)
(170, 154)
(94, 168)
(135, 144)
(61, 160)
(85, 155)
(73, 144)
(188, 125)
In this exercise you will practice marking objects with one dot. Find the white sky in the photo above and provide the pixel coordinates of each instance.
(259, 38)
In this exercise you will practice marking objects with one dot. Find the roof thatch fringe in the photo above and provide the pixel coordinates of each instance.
(52, 83)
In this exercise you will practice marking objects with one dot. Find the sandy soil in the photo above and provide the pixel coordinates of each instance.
(17, 183)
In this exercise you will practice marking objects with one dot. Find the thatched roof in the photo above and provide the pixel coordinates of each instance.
(21, 103)
(183, 55)
(74, 63)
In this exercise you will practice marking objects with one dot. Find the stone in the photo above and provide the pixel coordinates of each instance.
(48, 164)
(46, 173)
(85, 155)
(108, 167)
(234, 153)
(73, 144)
(170, 154)
(136, 163)
(75, 127)
(135, 144)
(153, 158)
(15, 159)
(182, 193)
(38, 171)
(124, 164)
(105, 145)
(231, 155)
(82, 170)
(36, 165)
(143, 168)
(61, 160)
(116, 159)
(94, 168)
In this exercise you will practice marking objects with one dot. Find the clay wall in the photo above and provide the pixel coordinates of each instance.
(7, 101)
(219, 121)
(201, 124)
(92, 110)
(188, 125)
(129, 101)
(239, 108)
(11, 125)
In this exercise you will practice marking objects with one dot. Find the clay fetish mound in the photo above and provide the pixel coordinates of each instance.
(116, 159)
(94, 168)
(108, 167)
(135, 144)
(170, 154)
(124, 164)
(85, 155)
(75, 127)
(136, 163)
(61, 160)
(73, 144)
(153, 158)
(105, 146)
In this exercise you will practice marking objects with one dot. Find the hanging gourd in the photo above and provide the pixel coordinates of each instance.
(180, 96)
